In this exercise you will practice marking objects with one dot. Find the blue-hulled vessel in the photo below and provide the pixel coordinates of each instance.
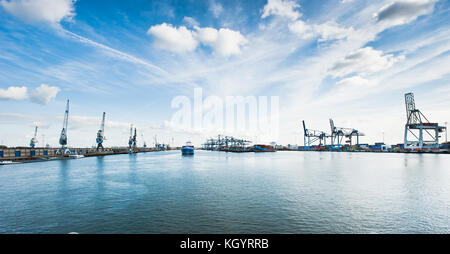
(187, 149)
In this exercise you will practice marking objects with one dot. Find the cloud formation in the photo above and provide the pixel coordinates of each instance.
(225, 42)
(363, 61)
(324, 32)
(40, 95)
(43, 94)
(404, 11)
(353, 82)
(173, 39)
(282, 8)
(14, 93)
(40, 11)
(299, 27)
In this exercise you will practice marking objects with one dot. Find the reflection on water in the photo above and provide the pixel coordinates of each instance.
(217, 192)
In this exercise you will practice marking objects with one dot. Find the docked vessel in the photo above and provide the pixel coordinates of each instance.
(445, 147)
(187, 149)
(263, 148)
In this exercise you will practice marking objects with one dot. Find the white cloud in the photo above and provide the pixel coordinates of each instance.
(190, 21)
(225, 42)
(363, 61)
(14, 93)
(173, 39)
(207, 35)
(215, 8)
(302, 29)
(43, 94)
(353, 82)
(282, 8)
(404, 11)
(48, 11)
(332, 31)
(325, 32)
(228, 42)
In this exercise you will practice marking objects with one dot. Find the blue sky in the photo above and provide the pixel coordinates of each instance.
(351, 60)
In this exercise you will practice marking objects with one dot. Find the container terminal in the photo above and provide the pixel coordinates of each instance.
(420, 136)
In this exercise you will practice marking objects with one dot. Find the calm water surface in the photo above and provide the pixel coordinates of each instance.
(212, 192)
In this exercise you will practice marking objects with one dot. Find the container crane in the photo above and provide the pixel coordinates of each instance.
(101, 134)
(34, 140)
(313, 136)
(338, 133)
(63, 136)
(417, 122)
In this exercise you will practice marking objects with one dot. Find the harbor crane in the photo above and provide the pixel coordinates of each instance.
(130, 140)
(101, 134)
(145, 144)
(416, 125)
(338, 134)
(34, 140)
(313, 136)
(225, 142)
(134, 144)
(63, 136)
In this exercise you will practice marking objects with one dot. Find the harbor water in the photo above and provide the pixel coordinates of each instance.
(218, 192)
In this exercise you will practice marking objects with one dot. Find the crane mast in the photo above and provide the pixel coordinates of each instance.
(34, 140)
(63, 136)
(130, 140)
(101, 134)
(134, 139)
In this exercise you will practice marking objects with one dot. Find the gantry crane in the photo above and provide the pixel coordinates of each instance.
(417, 122)
(63, 136)
(101, 134)
(225, 142)
(338, 133)
(34, 140)
(315, 135)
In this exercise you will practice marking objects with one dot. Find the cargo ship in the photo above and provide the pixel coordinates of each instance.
(187, 149)
(445, 147)
(263, 148)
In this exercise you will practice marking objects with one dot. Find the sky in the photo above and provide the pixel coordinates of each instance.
(349, 60)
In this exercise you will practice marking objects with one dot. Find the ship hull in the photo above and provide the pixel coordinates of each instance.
(187, 150)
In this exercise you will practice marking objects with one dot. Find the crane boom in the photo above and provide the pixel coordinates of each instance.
(34, 140)
(130, 140)
(101, 134)
(63, 137)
